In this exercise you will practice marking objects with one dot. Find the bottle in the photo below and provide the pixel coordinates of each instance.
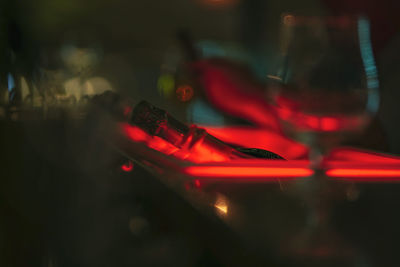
(192, 143)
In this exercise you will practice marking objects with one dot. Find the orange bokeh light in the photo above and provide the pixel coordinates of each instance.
(184, 93)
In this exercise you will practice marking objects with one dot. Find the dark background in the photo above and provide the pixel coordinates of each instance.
(64, 201)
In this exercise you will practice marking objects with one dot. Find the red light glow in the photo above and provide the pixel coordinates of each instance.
(135, 133)
(362, 166)
(262, 139)
(242, 136)
(236, 96)
(247, 172)
(344, 163)
(200, 152)
(320, 123)
(357, 155)
(197, 183)
(363, 173)
(138, 135)
(311, 122)
(127, 167)
(329, 124)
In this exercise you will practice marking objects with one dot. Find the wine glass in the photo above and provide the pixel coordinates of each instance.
(326, 87)
(325, 90)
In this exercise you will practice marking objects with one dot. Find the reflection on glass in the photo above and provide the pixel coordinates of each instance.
(221, 205)
(327, 82)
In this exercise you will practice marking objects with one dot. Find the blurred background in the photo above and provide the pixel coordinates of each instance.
(63, 203)
(133, 47)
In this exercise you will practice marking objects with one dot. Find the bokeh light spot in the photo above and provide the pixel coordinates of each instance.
(289, 20)
(166, 84)
(197, 183)
(184, 93)
(127, 167)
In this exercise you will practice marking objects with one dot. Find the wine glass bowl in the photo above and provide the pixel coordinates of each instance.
(327, 80)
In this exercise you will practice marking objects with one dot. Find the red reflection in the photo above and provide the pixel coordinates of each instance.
(310, 122)
(357, 155)
(135, 133)
(138, 135)
(236, 96)
(241, 136)
(200, 152)
(127, 167)
(362, 166)
(329, 124)
(292, 111)
(197, 183)
(262, 139)
(161, 145)
(247, 172)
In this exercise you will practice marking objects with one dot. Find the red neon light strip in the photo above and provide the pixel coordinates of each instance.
(246, 172)
(352, 173)
(279, 172)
